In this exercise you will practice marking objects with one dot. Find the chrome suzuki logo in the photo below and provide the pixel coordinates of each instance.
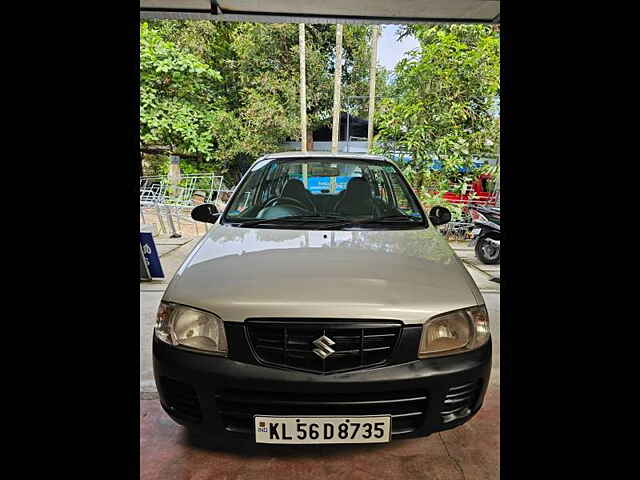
(324, 346)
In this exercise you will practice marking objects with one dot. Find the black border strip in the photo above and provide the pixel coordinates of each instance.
(177, 10)
(390, 20)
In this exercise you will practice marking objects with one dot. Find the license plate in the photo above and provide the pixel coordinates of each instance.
(304, 430)
(476, 231)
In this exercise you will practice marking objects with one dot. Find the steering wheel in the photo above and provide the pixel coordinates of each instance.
(295, 201)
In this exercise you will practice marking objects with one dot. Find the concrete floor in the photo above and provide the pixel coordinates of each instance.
(481, 273)
(469, 452)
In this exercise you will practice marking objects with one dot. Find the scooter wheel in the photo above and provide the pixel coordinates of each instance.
(486, 252)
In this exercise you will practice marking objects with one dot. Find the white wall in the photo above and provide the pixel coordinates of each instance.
(354, 146)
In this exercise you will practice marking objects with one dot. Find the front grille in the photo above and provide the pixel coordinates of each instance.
(460, 400)
(237, 408)
(180, 400)
(290, 344)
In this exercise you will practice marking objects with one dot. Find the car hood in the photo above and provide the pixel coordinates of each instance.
(239, 273)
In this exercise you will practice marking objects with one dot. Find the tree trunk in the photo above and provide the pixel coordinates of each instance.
(419, 183)
(309, 140)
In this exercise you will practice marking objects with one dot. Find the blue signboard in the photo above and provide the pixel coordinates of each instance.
(150, 254)
(318, 184)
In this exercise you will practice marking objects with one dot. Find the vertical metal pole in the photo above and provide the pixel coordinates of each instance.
(348, 115)
(177, 210)
(335, 133)
(159, 212)
(219, 188)
(174, 175)
(174, 234)
(372, 85)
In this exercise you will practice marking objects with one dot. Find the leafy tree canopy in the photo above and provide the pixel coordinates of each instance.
(241, 97)
(179, 97)
(441, 104)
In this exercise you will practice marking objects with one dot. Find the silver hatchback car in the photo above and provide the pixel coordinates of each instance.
(323, 306)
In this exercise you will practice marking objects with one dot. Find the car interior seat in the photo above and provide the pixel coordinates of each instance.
(294, 188)
(357, 199)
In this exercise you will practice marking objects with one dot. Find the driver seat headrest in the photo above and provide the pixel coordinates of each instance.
(294, 188)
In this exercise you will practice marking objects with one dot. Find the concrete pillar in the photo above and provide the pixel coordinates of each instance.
(303, 89)
(335, 132)
(372, 85)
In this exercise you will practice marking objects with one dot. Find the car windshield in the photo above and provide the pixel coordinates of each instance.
(322, 192)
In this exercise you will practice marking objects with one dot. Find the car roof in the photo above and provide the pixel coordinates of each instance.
(354, 156)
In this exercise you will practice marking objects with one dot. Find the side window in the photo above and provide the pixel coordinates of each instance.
(251, 191)
(271, 183)
(289, 171)
(400, 192)
(379, 185)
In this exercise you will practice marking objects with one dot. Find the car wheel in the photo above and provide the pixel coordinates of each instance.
(487, 252)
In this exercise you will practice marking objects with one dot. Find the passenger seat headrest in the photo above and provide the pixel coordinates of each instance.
(358, 185)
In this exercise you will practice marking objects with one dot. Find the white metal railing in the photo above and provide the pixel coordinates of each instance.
(172, 201)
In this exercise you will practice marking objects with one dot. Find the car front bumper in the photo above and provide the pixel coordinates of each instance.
(218, 395)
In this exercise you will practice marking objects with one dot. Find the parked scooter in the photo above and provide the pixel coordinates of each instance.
(486, 233)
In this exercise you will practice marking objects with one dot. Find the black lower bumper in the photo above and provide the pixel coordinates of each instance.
(219, 395)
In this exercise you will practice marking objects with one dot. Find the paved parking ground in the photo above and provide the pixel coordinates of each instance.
(469, 452)
(483, 275)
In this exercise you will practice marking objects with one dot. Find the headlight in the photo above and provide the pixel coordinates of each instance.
(178, 325)
(455, 332)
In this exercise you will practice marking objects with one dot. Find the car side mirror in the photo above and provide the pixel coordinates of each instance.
(439, 215)
(207, 212)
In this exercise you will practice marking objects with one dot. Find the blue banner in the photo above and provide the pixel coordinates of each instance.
(320, 184)
(151, 256)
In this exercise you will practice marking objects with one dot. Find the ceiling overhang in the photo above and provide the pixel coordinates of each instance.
(326, 11)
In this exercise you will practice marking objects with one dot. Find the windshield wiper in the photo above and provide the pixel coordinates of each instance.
(297, 219)
(330, 221)
(392, 219)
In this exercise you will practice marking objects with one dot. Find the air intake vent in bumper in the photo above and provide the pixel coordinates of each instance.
(180, 400)
(460, 401)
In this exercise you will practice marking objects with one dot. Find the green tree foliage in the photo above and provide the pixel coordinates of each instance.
(441, 105)
(241, 99)
(244, 134)
(269, 67)
(179, 98)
